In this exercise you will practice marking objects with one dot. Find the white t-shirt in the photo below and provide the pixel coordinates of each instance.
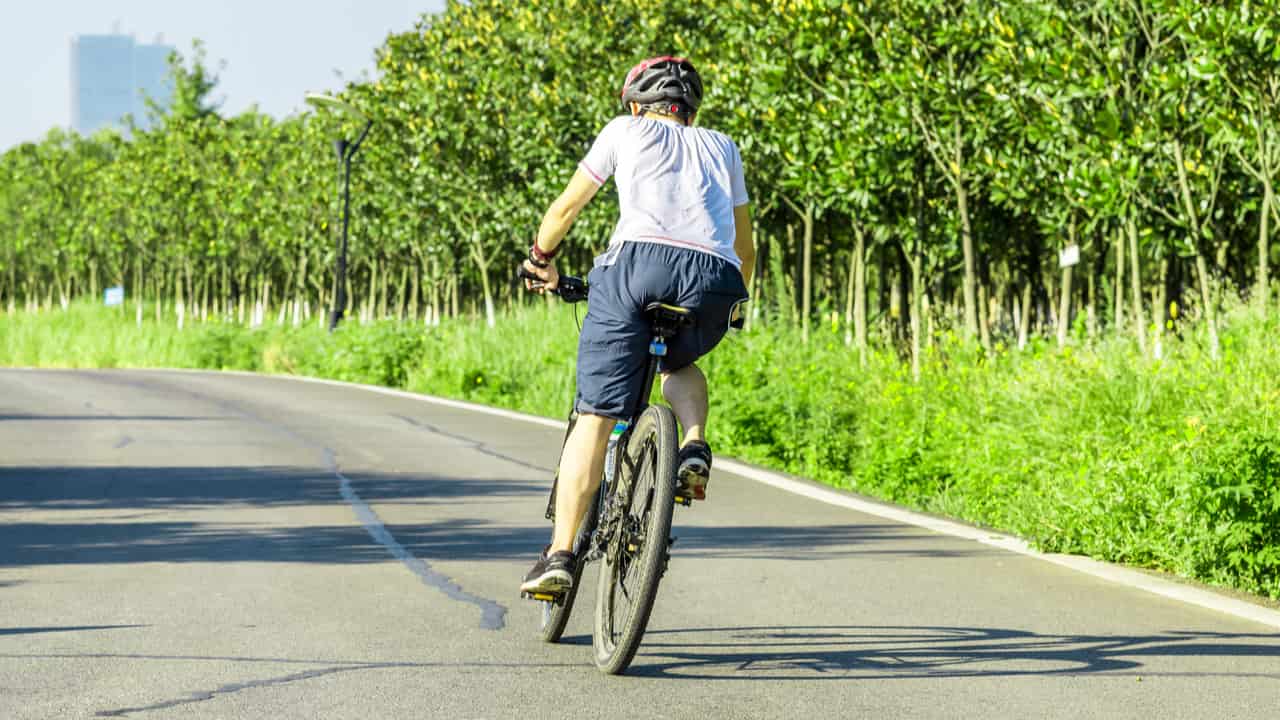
(677, 185)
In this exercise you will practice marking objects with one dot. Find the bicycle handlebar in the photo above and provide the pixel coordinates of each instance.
(570, 289)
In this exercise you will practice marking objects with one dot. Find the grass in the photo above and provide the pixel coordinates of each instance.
(1169, 464)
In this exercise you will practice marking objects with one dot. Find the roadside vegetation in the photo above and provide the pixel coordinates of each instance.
(1014, 258)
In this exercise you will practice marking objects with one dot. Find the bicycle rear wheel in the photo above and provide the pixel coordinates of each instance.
(639, 539)
(555, 614)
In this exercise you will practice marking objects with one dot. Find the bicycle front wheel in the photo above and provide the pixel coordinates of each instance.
(639, 539)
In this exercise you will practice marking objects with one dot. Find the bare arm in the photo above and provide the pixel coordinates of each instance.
(556, 223)
(743, 243)
(565, 209)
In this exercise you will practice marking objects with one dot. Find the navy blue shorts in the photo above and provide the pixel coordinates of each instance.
(613, 349)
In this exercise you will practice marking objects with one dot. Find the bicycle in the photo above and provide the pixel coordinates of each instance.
(628, 523)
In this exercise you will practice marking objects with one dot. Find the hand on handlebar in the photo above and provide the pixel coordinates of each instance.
(539, 280)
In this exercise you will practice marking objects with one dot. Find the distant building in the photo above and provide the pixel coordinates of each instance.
(111, 77)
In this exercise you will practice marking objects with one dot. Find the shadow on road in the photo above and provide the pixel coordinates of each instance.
(121, 488)
(146, 514)
(852, 652)
(87, 515)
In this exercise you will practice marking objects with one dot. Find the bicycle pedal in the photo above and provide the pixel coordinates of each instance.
(685, 501)
(541, 597)
(632, 547)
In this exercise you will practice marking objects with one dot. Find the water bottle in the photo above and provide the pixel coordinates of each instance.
(618, 428)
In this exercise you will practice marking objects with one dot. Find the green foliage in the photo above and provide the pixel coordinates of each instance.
(975, 137)
(222, 346)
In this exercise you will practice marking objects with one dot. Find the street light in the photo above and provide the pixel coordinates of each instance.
(345, 151)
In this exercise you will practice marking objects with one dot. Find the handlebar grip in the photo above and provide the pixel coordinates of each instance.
(570, 289)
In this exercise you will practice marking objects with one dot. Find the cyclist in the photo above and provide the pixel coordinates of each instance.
(684, 238)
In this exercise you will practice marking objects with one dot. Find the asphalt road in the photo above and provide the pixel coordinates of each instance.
(205, 546)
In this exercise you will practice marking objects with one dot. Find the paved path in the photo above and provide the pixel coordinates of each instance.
(205, 546)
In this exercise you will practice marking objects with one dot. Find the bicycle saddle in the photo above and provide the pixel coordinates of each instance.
(667, 320)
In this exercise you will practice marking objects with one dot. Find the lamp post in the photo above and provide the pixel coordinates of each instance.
(345, 151)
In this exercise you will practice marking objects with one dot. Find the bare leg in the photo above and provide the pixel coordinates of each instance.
(686, 391)
(581, 464)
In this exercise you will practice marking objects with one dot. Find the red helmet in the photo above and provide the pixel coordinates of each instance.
(670, 83)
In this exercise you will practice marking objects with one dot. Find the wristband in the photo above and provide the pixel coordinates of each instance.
(534, 261)
(539, 257)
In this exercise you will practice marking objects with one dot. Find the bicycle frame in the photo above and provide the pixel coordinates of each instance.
(666, 322)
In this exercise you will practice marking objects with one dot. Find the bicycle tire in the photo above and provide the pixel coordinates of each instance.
(555, 615)
(646, 476)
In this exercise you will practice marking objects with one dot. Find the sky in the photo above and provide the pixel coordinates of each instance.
(275, 50)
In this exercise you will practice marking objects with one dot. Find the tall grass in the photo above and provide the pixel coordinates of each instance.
(1171, 464)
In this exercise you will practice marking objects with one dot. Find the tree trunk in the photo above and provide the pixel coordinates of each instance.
(807, 294)
(266, 299)
(917, 294)
(860, 295)
(1139, 322)
(848, 297)
(242, 292)
(1064, 307)
(413, 294)
(137, 289)
(490, 316)
(435, 291)
(455, 296)
(984, 319)
(401, 293)
(385, 281)
(927, 315)
(1206, 297)
(1091, 303)
(917, 270)
(179, 306)
(205, 283)
(482, 265)
(1161, 302)
(371, 298)
(970, 272)
(1117, 301)
(1264, 248)
(1207, 290)
(300, 286)
(1024, 321)
(998, 301)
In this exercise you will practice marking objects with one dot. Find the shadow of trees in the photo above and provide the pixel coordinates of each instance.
(139, 521)
(905, 652)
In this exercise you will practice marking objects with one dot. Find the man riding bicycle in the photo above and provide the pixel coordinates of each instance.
(683, 237)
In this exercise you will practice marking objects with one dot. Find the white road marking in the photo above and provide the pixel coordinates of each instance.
(492, 614)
